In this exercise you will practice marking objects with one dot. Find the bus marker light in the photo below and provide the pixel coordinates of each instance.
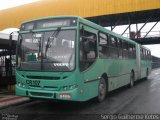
(65, 88)
(81, 91)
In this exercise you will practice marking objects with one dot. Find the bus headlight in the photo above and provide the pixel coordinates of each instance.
(21, 84)
(70, 87)
(73, 86)
(65, 87)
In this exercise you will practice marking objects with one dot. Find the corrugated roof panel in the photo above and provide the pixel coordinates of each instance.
(84, 8)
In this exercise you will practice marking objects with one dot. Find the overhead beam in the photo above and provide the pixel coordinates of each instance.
(151, 29)
(148, 41)
(134, 17)
(84, 8)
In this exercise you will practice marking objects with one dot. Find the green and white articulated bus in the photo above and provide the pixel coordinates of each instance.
(70, 58)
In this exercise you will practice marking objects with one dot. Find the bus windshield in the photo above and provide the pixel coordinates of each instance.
(47, 51)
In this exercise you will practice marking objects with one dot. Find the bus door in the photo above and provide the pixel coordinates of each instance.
(88, 63)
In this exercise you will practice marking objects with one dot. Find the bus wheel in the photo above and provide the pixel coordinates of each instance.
(131, 80)
(102, 89)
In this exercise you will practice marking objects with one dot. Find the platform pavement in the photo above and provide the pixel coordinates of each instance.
(9, 98)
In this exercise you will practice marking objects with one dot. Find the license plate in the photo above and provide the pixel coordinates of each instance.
(33, 82)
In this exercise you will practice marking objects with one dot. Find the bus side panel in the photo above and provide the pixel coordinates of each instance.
(145, 64)
(118, 71)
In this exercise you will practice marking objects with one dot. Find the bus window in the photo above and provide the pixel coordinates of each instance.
(119, 45)
(134, 52)
(113, 47)
(125, 49)
(141, 53)
(144, 54)
(113, 42)
(148, 55)
(130, 48)
(103, 45)
(88, 49)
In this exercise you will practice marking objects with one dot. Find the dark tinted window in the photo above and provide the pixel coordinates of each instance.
(131, 51)
(119, 45)
(148, 55)
(113, 47)
(113, 41)
(134, 51)
(103, 45)
(125, 49)
(88, 49)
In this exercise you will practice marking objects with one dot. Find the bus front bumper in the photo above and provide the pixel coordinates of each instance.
(69, 95)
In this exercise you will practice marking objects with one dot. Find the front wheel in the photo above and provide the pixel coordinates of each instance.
(102, 90)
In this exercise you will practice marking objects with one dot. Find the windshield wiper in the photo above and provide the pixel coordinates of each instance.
(52, 37)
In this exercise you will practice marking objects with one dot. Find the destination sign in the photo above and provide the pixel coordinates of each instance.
(49, 23)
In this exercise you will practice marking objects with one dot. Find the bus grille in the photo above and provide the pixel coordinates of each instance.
(44, 87)
(41, 94)
(44, 77)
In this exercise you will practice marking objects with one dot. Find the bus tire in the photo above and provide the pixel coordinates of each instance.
(131, 84)
(102, 90)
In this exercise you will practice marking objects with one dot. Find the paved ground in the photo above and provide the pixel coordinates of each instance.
(143, 98)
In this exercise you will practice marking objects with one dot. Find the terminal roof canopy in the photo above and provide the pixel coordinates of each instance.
(13, 17)
(5, 43)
